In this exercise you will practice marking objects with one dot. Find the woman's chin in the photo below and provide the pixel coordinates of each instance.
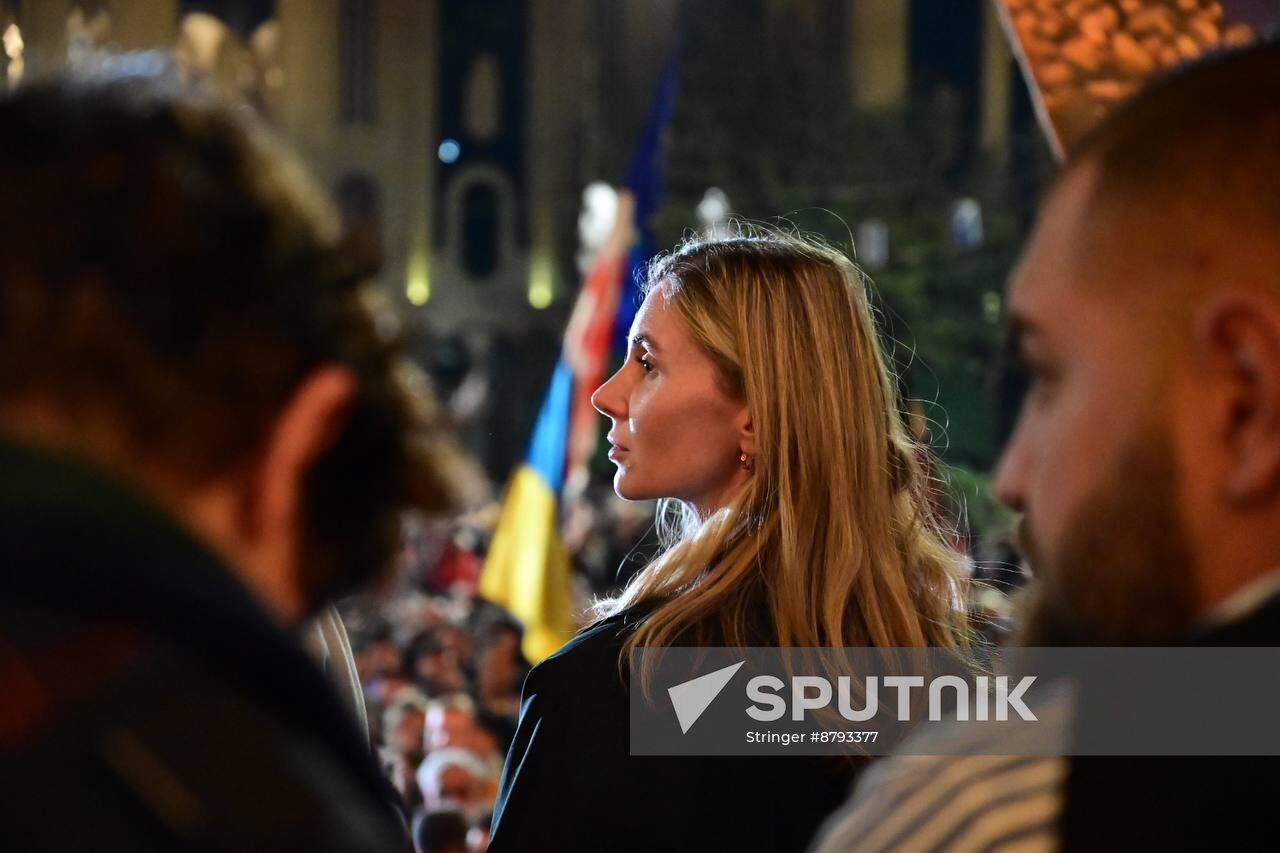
(625, 487)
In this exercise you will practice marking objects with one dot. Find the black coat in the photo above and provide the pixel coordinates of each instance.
(570, 783)
(147, 702)
(1174, 802)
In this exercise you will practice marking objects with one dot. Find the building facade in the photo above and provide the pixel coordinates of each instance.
(457, 135)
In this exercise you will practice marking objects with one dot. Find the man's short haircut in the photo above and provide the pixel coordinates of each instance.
(167, 269)
(1202, 144)
(498, 625)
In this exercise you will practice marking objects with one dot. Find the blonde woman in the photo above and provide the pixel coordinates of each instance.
(756, 395)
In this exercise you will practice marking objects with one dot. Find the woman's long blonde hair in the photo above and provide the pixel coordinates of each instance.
(834, 540)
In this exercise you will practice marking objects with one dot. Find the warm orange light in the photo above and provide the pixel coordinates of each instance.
(13, 47)
(1087, 55)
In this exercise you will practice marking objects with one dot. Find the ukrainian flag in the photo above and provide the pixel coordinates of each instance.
(527, 567)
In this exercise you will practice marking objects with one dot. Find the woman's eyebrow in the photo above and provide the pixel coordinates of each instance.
(644, 340)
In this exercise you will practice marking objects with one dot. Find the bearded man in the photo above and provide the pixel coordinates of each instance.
(1145, 462)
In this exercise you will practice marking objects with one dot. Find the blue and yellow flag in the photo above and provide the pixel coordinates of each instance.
(527, 567)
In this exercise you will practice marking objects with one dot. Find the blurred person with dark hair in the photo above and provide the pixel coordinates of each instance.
(498, 730)
(403, 723)
(501, 668)
(1146, 463)
(432, 662)
(376, 655)
(208, 433)
(443, 831)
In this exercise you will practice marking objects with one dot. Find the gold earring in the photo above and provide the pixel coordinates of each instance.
(745, 460)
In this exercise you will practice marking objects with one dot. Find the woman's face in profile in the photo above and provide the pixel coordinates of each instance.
(675, 433)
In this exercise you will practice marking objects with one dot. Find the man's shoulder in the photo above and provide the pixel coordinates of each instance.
(179, 747)
(968, 802)
(963, 787)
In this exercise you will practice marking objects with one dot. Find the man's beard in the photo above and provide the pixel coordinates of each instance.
(1123, 574)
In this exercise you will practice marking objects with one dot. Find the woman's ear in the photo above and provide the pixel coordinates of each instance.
(746, 432)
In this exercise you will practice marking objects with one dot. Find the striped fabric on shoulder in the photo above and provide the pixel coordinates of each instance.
(954, 803)
(959, 802)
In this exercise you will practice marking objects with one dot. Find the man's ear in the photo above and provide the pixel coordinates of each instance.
(1240, 334)
(307, 425)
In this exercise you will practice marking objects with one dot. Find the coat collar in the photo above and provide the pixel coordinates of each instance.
(80, 544)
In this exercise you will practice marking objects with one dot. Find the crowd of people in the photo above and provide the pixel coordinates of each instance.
(442, 699)
(442, 669)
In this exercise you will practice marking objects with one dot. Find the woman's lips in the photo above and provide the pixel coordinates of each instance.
(617, 449)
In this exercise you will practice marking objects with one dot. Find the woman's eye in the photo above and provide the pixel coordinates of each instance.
(643, 361)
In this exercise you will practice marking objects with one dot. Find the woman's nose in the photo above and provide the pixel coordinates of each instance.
(607, 398)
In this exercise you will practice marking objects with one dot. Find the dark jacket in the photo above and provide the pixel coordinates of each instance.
(148, 701)
(1174, 802)
(570, 783)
